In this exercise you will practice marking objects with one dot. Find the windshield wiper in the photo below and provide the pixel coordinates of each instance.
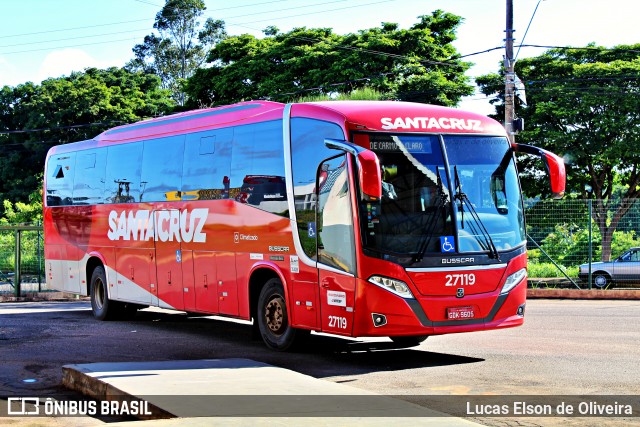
(461, 197)
(429, 229)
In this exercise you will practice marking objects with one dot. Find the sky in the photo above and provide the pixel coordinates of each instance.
(40, 39)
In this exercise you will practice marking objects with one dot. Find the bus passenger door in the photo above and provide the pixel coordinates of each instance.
(336, 246)
(170, 291)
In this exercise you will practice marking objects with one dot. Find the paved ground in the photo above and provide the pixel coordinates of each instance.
(565, 347)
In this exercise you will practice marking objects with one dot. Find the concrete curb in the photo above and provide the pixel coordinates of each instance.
(241, 389)
(41, 296)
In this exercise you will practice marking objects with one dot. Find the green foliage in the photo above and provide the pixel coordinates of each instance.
(21, 213)
(583, 104)
(363, 94)
(182, 46)
(67, 109)
(413, 64)
(546, 270)
(569, 244)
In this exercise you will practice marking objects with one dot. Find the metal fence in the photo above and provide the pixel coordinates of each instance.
(21, 259)
(561, 237)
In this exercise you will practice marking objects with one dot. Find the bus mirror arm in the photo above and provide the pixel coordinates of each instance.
(369, 174)
(554, 165)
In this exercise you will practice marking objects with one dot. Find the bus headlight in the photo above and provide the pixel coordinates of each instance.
(513, 280)
(398, 287)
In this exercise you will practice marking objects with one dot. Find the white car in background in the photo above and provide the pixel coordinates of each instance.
(623, 271)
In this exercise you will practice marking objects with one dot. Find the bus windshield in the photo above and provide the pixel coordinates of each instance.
(443, 195)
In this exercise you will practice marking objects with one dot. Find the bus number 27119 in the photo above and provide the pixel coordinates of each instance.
(460, 279)
(337, 322)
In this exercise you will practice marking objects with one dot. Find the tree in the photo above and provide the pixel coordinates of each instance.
(35, 117)
(418, 64)
(584, 104)
(181, 48)
(23, 213)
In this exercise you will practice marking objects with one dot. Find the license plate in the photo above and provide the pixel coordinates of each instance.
(460, 313)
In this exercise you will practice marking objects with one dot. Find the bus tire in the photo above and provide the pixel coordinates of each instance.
(272, 316)
(103, 308)
(410, 341)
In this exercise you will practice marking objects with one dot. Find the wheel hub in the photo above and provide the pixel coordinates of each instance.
(274, 315)
(100, 294)
(600, 281)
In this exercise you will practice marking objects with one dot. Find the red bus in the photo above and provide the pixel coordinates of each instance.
(351, 218)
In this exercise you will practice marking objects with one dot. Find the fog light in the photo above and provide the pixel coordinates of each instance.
(379, 319)
(520, 311)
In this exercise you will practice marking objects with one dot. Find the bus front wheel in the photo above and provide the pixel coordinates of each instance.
(272, 316)
(101, 306)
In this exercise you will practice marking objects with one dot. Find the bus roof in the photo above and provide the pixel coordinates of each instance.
(411, 117)
(189, 121)
(394, 116)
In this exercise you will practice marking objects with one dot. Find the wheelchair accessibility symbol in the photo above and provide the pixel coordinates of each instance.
(312, 230)
(446, 244)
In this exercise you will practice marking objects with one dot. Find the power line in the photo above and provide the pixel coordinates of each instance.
(73, 28)
(604, 49)
(527, 30)
(84, 27)
(74, 38)
(120, 32)
(110, 123)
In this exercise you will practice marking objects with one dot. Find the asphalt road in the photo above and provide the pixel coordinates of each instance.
(565, 347)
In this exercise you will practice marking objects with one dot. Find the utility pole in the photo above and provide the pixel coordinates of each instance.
(509, 88)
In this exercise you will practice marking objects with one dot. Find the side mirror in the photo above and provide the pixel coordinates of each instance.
(369, 176)
(554, 165)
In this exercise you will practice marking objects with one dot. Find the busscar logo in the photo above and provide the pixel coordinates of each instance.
(456, 260)
(460, 292)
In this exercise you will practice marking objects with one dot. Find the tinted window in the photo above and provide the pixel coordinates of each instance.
(207, 165)
(122, 184)
(335, 222)
(257, 167)
(88, 188)
(162, 169)
(60, 170)
(307, 152)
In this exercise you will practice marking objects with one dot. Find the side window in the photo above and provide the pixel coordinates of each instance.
(207, 165)
(60, 170)
(335, 221)
(122, 183)
(307, 152)
(257, 167)
(162, 169)
(88, 188)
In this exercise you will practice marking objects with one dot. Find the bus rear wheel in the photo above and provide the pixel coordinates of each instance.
(103, 308)
(272, 317)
